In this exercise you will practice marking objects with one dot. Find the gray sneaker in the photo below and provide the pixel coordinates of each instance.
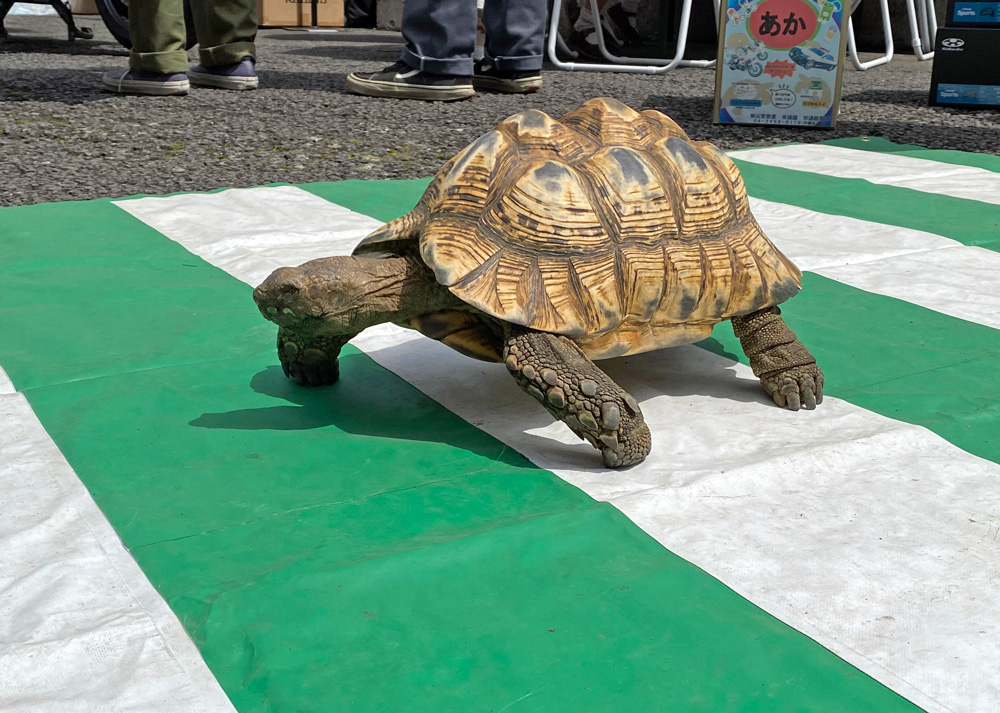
(239, 75)
(132, 81)
(400, 81)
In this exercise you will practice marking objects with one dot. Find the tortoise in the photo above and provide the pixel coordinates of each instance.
(547, 244)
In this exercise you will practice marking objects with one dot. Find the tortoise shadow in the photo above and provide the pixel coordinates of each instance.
(366, 402)
(400, 412)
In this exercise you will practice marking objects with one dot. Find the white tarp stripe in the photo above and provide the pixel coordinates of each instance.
(813, 516)
(815, 240)
(922, 268)
(960, 282)
(889, 169)
(284, 224)
(81, 628)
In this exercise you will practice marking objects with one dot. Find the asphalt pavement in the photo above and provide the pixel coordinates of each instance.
(63, 138)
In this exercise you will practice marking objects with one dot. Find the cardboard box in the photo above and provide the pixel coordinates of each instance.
(966, 68)
(969, 13)
(300, 13)
(83, 7)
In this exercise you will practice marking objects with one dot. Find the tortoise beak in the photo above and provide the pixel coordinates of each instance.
(279, 297)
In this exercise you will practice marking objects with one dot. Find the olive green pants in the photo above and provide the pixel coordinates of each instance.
(226, 30)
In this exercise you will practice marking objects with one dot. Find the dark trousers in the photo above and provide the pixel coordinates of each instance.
(440, 35)
(226, 32)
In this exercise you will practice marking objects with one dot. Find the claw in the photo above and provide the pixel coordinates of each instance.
(809, 399)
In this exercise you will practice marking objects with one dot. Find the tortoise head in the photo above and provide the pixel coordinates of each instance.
(324, 297)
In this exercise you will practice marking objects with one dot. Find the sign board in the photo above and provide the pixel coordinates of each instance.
(780, 62)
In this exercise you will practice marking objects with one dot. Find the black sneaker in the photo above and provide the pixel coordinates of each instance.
(487, 76)
(401, 81)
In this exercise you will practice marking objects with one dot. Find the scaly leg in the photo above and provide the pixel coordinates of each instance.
(313, 361)
(782, 363)
(557, 373)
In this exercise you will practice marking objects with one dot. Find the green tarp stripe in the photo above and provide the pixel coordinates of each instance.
(969, 222)
(874, 349)
(358, 547)
(988, 162)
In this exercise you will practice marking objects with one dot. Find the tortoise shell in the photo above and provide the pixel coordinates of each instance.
(608, 226)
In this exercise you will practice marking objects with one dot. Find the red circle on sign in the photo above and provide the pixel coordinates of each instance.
(783, 24)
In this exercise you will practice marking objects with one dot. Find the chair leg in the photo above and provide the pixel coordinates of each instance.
(852, 47)
(916, 40)
(622, 64)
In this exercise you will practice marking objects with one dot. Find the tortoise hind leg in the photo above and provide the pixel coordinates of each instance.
(786, 369)
(569, 385)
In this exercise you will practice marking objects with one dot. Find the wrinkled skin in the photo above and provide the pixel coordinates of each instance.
(786, 369)
(321, 305)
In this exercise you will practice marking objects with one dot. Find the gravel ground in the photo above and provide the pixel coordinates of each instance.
(63, 138)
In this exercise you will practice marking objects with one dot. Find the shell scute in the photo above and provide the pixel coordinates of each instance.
(598, 288)
(548, 210)
(570, 314)
(640, 207)
(663, 124)
(536, 131)
(608, 121)
(453, 248)
(705, 205)
(463, 331)
(642, 270)
(465, 187)
(725, 167)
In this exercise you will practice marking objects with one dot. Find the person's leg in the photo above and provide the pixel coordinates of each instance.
(515, 33)
(156, 28)
(437, 63)
(158, 60)
(440, 35)
(226, 32)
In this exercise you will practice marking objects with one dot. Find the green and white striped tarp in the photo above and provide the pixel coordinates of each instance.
(422, 537)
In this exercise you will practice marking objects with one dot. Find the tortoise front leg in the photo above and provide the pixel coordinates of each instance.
(311, 361)
(569, 385)
(782, 363)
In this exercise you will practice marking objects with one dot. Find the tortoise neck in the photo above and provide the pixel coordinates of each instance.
(397, 289)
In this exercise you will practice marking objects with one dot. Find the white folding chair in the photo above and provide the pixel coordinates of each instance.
(852, 48)
(922, 38)
(652, 61)
(642, 65)
(922, 22)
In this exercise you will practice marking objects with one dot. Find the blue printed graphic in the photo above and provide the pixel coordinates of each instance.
(975, 94)
(976, 12)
